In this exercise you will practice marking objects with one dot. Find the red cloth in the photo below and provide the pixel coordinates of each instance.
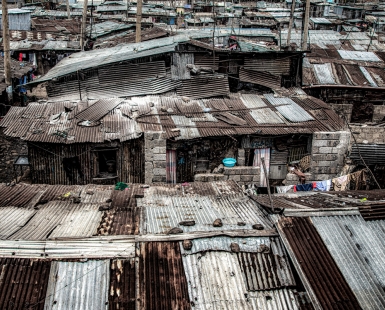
(20, 57)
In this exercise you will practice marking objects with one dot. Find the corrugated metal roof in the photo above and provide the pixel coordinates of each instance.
(61, 219)
(23, 283)
(355, 55)
(324, 74)
(358, 248)
(162, 280)
(77, 285)
(373, 154)
(289, 109)
(163, 213)
(215, 281)
(99, 109)
(260, 114)
(368, 76)
(263, 260)
(122, 293)
(12, 219)
(205, 86)
(260, 78)
(323, 280)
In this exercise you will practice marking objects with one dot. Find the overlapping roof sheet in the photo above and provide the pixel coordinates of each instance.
(118, 119)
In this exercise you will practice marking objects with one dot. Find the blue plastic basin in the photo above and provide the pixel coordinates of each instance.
(229, 162)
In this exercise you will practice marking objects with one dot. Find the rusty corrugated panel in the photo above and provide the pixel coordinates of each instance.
(260, 78)
(61, 219)
(124, 216)
(99, 109)
(206, 61)
(321, 276)
(375, 211)
(122, 293)
(19, 195)
(12, 115)
(78, 285)
(23, 283)
(205, 86)
(162, 279)
(273, 66)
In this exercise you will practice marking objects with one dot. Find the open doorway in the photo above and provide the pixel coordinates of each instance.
(106, 163)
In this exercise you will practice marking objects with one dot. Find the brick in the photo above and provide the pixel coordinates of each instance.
(159, 157)
(256, 178)
(241, 161)
(235, 178)
(241, 152)
(326, 136)
(160, 164)
(159, 171)
(325, 150)
(159, 179)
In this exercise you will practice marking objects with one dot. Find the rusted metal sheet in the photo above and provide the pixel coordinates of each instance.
(99, 109)
(164, 212)
(19, 195)
(263, 260)
(273, 66)
(78, 285)
(358, 249)
(374, 211)
(124, 216)
(122, 293)
(260, 78)
(204, 87)
(323, 280)
(61, 219)
(23, 283)
(162, 279)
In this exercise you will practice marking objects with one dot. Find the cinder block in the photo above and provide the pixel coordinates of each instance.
(159, 157)
(159, 171)
(159, 164)
(235, 177)
(325, 150)
(159, 179)
(246, 178)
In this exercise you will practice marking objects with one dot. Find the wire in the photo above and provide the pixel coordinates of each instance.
(75, 280)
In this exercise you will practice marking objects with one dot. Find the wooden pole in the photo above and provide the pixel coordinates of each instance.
(68, 9)
(306, 26)
(6, 45)
(84, 24)
(267, 183)
(290, 22)
(139, 21)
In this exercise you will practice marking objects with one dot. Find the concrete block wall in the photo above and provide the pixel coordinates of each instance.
(328, 154)
(155, 157)
(243, 174)
(378, 113)
(368, 134)
(241, 160)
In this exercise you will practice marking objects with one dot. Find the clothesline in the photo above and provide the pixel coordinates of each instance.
(337, 184)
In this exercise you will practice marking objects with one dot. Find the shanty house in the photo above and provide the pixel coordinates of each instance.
(18, 19)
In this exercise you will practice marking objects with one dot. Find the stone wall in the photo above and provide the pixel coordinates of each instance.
(155, 157)
(10, 148)
(368, 134)
(343, 109)
(328, 154)
(378, 113)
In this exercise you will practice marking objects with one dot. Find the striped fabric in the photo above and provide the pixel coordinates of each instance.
(171, 166)
(258, 154)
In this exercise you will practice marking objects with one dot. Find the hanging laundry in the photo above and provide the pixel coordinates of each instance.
(258, 154)
(285, 189)
(303, 187)
(20, 57)
(358, 180)
(323, 186)
(341, 183)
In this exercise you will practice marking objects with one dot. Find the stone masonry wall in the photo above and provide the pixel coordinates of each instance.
(378, 113)
(10, 148)
(343, 109)
(243, 175)
(155, 157)
(328, 154)
(368, 134)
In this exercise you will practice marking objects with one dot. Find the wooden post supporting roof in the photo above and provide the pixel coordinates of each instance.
(6, 45)
(139, 21)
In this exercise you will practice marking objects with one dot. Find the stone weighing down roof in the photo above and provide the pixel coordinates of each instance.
(161, 273)
(180, 118)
